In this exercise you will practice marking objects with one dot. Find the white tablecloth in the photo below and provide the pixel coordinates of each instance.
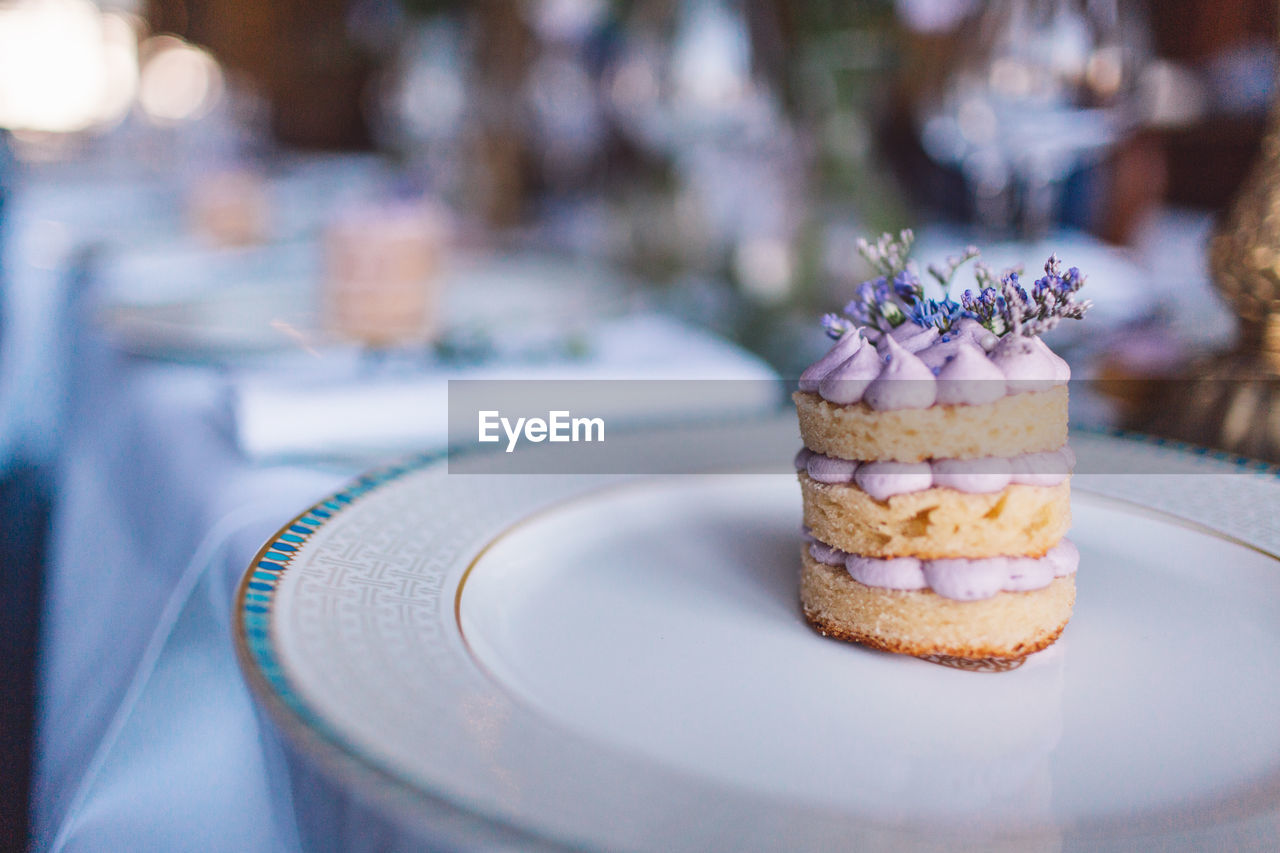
(147, 737)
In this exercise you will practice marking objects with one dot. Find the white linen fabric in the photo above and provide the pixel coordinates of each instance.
(149, 493)
(147, 737)
(278, 418)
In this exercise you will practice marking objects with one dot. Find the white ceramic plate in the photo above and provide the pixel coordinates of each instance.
(620, 663)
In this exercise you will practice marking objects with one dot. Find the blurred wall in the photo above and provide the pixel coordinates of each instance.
(1209, 160)
(297, 53)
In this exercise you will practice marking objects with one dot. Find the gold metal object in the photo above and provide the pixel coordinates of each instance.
(1231, 400)
(1244, 253)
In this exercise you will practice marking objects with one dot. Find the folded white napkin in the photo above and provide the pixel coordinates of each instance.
(279, 418)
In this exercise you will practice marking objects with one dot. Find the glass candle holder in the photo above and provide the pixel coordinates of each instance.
(381, 286)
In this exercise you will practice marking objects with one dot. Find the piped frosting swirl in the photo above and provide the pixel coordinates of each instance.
(904, 381)
(958, 579)
(912, 367)
(883, 480)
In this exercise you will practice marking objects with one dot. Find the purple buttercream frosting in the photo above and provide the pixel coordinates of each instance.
(883, 480)
(847, 381)
(1063, 558)
(956, 578)
(894, 573)
(967, 327)
(970, 379)
(967, 580)
(1027, 363)
(898, 370)
(904, 383)
(989, 474)
(846, 346)
(1042, 469)
(826, 555)
(913, 338)
(829, 469)
(1061, 370)
(1027, 573)
(936, 355)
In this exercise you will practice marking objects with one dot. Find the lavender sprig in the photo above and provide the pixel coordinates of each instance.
(1010, 308)
(1001, 303)
(942, 313)
(1053, 299)
(836, 326)
(873, 305)
(888, 255)
(987, 306)
(907, 286)
(945, 273)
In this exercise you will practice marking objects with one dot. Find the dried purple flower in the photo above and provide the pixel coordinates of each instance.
(1051, 300)
(942, 313)
(836, 326)
(1002, 304)
(873, 305)
(888, 255)
(906, 285)
(945, 273)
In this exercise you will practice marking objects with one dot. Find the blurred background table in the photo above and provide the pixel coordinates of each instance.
(204, 206)
(161, 497)
(157, 512)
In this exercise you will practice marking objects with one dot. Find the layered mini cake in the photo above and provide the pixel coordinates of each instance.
(935, 471)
